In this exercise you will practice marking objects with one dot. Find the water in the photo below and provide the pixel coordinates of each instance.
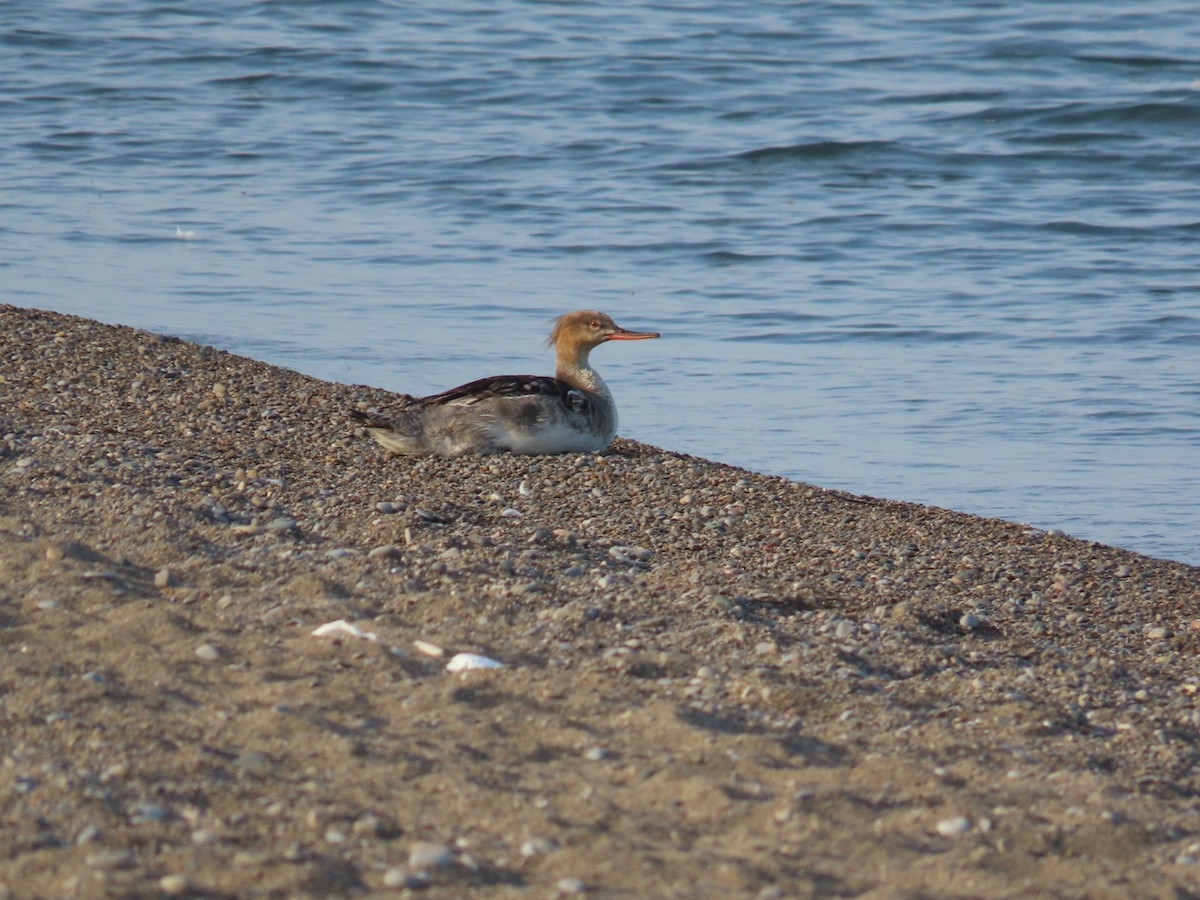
(943, 253)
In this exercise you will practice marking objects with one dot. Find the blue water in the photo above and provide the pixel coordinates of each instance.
(943, 253)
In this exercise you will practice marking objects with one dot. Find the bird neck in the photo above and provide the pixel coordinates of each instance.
(572, 366)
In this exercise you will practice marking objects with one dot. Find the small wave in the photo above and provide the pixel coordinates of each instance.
(730, 258)
(814, 150)
(1133, 62)
(1155, 112)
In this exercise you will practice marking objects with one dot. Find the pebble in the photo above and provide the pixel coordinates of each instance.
(283, 523)
(844, 629)
(969, 620)
(622, 553)
(88, 834)
(371, 826)
(539, 847)
(430, 855)
(150, 812)
(108, 860)
(400, 878)
(429, 649)
(954, 826)
(48, 604)
(386, 550)
(461, 662)
(595, 754)
(387, 508)
(571, 885)
(1158, 633)
(209, 652)
(175, 885)
(252, 762)
(164, 578)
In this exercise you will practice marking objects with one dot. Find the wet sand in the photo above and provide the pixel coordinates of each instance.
(715, 683)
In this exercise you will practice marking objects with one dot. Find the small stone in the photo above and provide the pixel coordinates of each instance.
(175, 885)
(571, 885)
(387, 508)
(281, 524)
(844, 629)
(595, 754)
(1158, 633)
(48, 604)
(626, 554)
(164, 578)
(150, 812)
(387, 551)
(372, 826)
(429, 649)
(88, 834)
(399, 878)
(510, 513)
(1124, 571)
(538, 847)
(252, 763)
(969, 620)
(109, 860)
(954, 826)
(208, 652)
(430, 855)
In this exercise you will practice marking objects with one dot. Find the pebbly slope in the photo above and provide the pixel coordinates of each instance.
(716, 682)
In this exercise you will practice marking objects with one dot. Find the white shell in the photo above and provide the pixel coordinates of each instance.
(463, 661)
(342, 628)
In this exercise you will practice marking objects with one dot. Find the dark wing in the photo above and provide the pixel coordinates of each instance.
(511, 387)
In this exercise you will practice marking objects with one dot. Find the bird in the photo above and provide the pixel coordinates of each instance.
(572, 412)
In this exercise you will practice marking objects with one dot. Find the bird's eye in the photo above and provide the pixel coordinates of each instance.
(595, 323)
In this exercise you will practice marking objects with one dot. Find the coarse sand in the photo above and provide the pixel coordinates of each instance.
(715, 683)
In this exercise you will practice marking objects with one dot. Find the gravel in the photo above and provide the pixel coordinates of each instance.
(766, 671)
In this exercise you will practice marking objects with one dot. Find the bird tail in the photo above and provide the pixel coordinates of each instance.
(400, 434)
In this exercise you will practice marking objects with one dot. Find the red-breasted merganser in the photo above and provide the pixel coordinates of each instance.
(573, 412)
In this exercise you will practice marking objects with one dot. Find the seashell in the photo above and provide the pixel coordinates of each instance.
(461, 662)
(342, 628)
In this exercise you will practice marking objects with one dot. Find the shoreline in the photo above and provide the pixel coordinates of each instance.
(715, 681)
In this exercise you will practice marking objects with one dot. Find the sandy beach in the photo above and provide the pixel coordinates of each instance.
(715, 683)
